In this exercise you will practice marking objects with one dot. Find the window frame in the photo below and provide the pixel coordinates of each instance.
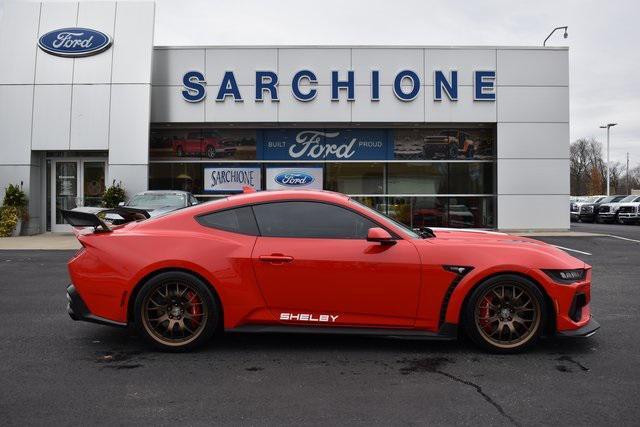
(394, 235)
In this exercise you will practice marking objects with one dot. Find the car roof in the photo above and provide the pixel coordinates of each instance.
(271, 196)
(163, 192)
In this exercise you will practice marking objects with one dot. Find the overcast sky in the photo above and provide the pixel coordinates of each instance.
(603, 39)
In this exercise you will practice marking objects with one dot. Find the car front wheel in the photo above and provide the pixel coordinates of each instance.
(176, 311)
(505, 314)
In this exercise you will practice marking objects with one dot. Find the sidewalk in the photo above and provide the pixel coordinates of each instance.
(46, 241)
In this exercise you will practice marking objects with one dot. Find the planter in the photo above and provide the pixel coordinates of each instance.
(18, 229)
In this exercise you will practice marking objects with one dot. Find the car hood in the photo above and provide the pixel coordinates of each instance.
(474, 247)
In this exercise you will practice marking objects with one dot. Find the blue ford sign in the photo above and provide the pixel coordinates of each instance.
(294, 179)
(74, 42)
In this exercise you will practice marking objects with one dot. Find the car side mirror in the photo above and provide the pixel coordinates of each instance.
(380, 235)
(121, 204)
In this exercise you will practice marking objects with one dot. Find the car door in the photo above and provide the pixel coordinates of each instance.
(314, 266)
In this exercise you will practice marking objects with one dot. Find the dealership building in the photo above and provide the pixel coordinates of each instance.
(469, 136)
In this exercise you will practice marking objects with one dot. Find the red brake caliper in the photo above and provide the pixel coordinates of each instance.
(484, 314)
(195, 309)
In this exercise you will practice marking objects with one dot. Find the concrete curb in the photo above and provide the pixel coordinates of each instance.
(46, 241)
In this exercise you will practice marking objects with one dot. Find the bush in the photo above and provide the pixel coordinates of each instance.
(113, 195)
(8, 220)
(15, 197)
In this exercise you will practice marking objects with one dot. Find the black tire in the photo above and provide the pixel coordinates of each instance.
(190, 303)
(211, 151)
(473, 314)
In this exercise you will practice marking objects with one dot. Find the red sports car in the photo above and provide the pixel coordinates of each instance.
(320, 262)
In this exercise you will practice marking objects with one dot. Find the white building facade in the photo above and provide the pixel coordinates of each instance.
(433, 136)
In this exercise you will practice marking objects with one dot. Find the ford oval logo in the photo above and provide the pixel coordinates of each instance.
(74, 42)
(293, 179)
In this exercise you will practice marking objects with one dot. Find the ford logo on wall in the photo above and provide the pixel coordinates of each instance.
(293, 179)
(74, 42)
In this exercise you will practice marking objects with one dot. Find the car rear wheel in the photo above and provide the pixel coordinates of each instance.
(505, 314)
(211, 151)
(176, 311)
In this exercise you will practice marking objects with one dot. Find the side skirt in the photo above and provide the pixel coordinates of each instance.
(448, 331)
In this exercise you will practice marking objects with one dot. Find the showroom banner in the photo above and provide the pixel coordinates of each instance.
(281, 178)
(323, 144)
(230, 179)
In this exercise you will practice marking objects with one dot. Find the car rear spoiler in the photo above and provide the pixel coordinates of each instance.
(88, 219)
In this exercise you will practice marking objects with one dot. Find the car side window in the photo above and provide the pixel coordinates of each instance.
(238, 220)
(310, 220)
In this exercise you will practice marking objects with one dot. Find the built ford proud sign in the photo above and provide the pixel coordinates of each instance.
(74, 42)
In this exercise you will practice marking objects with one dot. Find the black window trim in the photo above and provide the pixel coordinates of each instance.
(394, 235)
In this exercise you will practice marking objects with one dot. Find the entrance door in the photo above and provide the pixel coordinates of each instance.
(75, 183)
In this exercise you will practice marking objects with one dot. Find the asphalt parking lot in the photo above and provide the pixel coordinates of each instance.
(58, 372)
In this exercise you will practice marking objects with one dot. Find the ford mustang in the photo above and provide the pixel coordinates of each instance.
(320, 262)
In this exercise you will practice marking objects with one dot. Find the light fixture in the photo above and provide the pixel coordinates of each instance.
(566, 33)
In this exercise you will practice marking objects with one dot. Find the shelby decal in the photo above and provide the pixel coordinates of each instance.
(406, 86)
(230, 179)
(307, 317)
(74, 42)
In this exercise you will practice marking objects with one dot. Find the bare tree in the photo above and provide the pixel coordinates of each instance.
(579, 165)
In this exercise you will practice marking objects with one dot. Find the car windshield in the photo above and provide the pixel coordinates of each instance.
(378, 215)
(628, 199)
(153, 200)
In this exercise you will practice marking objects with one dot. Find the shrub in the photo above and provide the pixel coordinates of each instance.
(8, 220)
(15, 197)
(113, 195)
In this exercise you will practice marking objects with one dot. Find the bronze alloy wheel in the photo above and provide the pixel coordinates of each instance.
(507, 314)
(174, 313)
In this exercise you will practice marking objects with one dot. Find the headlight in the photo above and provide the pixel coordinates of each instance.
(566, 276)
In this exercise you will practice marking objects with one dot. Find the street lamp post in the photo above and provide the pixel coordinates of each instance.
(608, 127)
(566, 34)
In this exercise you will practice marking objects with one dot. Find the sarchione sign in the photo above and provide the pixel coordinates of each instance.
(406, 86)
(74, 42)
(230, 179)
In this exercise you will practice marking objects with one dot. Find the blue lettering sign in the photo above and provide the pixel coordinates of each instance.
(194, 86)
(337, 85)
(440, 82)
(295, 85)
(229, 87)
(375, 85)
(266, 81)
(398, 82)
(484, 85)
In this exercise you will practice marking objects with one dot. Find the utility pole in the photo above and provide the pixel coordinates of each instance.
(608, 127)
(628, 189)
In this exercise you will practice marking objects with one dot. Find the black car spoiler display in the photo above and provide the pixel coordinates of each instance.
(87, 219)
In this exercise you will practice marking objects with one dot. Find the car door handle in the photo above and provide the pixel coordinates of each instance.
(275, 258)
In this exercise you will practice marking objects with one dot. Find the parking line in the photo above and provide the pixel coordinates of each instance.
(623, 238)
(572, 250)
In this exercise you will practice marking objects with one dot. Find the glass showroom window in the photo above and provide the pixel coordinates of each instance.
(444, 144)
(416, 178)
(471, 178)
(355, 178)
(216, 144)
